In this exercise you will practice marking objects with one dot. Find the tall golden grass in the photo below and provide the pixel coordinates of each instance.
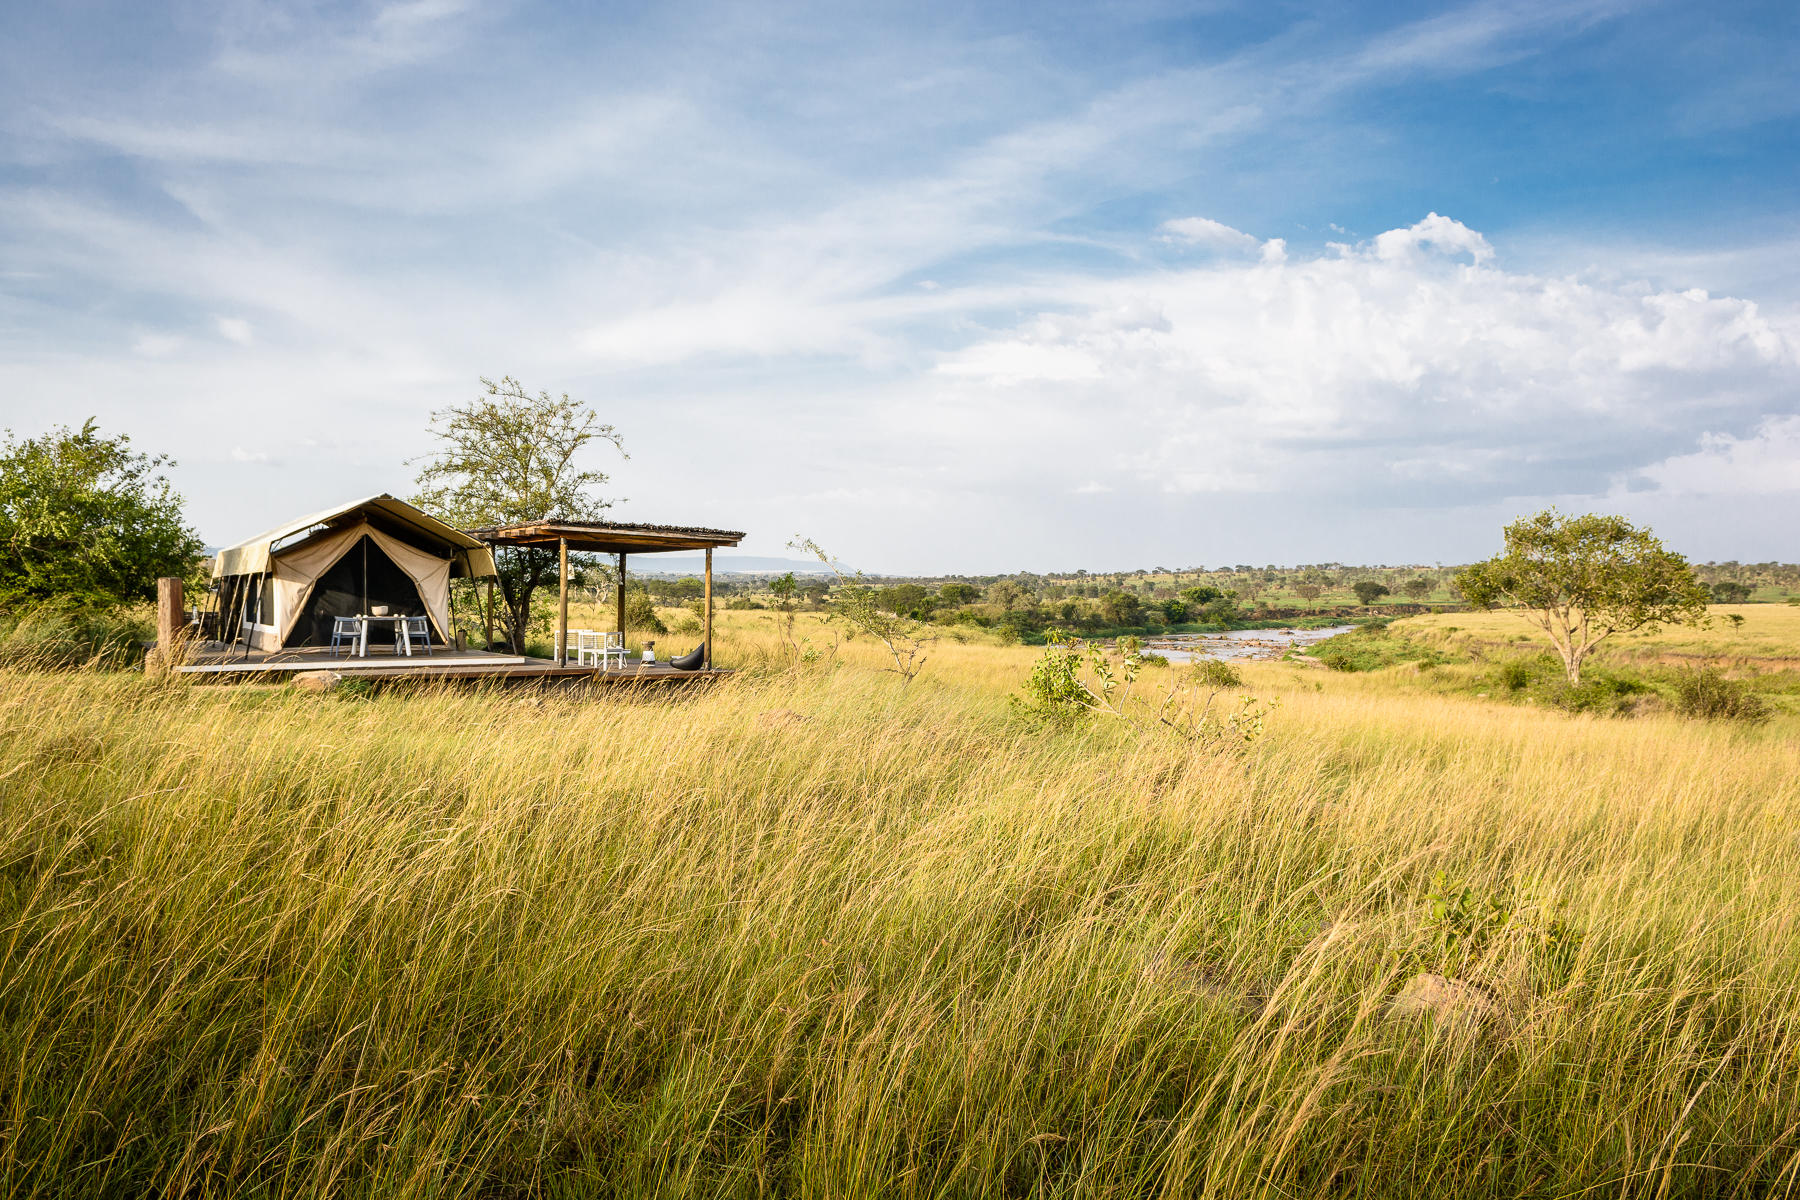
(812, 932)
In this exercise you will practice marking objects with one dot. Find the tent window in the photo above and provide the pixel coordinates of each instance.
(259, 602)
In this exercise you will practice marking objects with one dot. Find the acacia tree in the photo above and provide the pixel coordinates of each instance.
(507, 457)
(85, 518)
(1583, 579)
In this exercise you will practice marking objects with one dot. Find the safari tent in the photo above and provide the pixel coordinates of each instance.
(282, 588)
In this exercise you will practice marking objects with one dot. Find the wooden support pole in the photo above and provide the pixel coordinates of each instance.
(490, 614)
(562, 603)
(620, 597)
(708, 631)
(170, 621)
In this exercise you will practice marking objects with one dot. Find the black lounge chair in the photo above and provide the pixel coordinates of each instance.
(691, 661)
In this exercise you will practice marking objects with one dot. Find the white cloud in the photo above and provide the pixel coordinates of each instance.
(1765, 463)
(156, 345)
(1390, 369)
(1434, 232)
(235, 329)
(1203, 231)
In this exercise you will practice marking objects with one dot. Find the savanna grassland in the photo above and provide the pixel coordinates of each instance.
(812, 932)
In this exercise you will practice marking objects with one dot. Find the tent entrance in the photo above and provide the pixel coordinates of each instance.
(363, 579)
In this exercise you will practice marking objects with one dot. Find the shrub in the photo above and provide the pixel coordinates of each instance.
(1602, 693)
(1517, 674)
(1705, 693)
(640, 613)
(1216, 673)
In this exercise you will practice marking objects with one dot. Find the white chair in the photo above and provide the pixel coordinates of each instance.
(413, 629)
(345, 629)
(598, 647)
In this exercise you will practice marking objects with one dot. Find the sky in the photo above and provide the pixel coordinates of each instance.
(947, 288)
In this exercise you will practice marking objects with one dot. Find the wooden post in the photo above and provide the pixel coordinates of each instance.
(708, 632)
(490, 614)
(562, 603)
(620, 598)
(170, 621)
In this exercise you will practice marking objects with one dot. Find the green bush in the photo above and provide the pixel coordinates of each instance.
(1603, 693)
(1215, 673)
(1518, 674)
(1706, 693)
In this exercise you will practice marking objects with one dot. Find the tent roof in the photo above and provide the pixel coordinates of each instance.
(252, 557)
(609, 537)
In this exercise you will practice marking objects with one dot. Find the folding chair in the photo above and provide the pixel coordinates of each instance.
(413, 629)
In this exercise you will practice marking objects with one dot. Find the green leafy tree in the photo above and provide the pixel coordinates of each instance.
(508, 457)
(1122, 608)
(1308, 591)
(1199, 596)
(1418, 587)
(959, 593)
(902, 599)
(1728, 592)
(1583, 579)
(1368, 591)
(84, 518)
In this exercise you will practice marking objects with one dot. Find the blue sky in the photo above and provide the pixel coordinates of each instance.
(1028, 287)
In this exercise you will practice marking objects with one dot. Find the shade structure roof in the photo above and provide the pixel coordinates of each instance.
(609, 537)
(469, 556)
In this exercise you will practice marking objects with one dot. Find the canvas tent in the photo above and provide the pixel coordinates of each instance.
(282, 588)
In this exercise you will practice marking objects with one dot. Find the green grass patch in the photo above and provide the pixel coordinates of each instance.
(1372, 647)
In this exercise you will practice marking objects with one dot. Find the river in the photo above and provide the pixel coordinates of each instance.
(1238, 643)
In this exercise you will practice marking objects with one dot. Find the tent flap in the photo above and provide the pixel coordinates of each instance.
(296, 572)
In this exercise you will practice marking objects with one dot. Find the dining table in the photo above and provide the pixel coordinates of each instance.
(364, 620)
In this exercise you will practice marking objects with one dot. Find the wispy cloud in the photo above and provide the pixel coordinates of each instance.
(985, 264)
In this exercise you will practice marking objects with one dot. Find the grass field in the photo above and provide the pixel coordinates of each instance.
(1768, 634)
(814, 933)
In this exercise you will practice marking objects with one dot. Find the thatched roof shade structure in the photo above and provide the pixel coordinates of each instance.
(616, 538)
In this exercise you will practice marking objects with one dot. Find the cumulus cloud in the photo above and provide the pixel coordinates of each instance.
(235, 329)
(1765, 463)
(1403, 368)
(1433, 233)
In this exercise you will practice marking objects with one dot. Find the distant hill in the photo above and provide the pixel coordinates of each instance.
(724, 564)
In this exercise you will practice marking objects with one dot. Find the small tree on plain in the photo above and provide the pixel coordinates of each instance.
(855, 603)
(1583, 579)
(508, 457)
(1418, 587)
(1368, 591)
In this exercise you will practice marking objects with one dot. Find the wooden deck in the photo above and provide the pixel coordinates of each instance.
(445, 664)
